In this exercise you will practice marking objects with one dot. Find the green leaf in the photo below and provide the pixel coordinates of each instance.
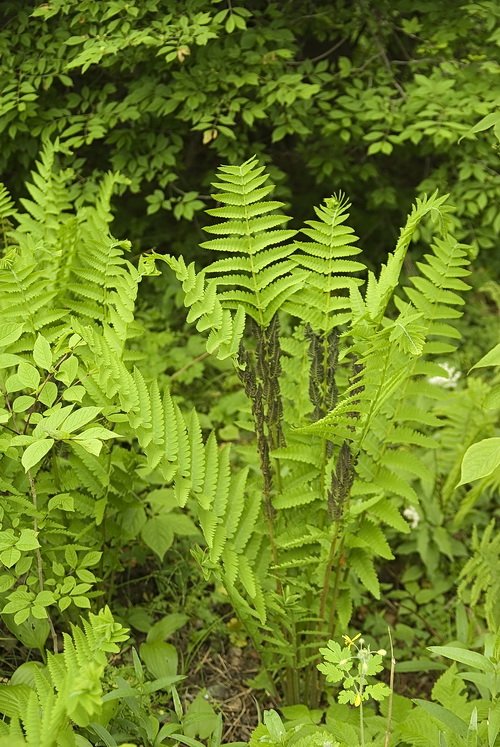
(470, 658)
(490, 120)
(28, 375)
(480, 460)
(44, 598)
(90, 559)
(42, 354)
(492, 358)
(36, 452)
(82, 602)
(9, 557)
(446, 717)
(22, 403)
(158, 534)
(64, 501)
(7, 360)
(166, 627)
(27, 541)
(79, 418)
(160, 658)
(92, 445)
(9, 333)
(493, 724)
(48, 393)
(6, 581)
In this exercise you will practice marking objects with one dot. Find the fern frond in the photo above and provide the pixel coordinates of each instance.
(325, 258)
(7, 207)
(380, 292)
(260, 274)
(206, 309)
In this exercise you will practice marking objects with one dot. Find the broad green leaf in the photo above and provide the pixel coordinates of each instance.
(27, 541)
(92, 445)
(45, 598)
(164, 628)
(480, 460)
(446, 717)
(83, 602)
(470, 658)
(79, 418)
(28, 375)
(7, 360)
(67, 370)
(6, 581)
(158, 534)
(200, 719)
(9, 557)
(36, 452)
(64, 501)
(492, 358)
(90, 559)
(160, 658)
(22, 403)
(42, 354)
(9, 333)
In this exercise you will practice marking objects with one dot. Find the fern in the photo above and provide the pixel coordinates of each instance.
(225, 330)
(52, 194)
(261, 274)
(68, 691)
(480, 577)
(323, 302)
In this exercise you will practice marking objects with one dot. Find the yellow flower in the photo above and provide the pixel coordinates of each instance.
(350, 641)
(357, 700)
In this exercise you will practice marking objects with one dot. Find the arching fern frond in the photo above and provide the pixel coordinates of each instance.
(225, 330)
(379, 292)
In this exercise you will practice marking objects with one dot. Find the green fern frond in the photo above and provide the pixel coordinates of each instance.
(52, 194)
(326, 290)
(69, 692)
(261, 276)
(206, 309)
(248, 521)
(7, 207)
(379, 293)
(236, 503)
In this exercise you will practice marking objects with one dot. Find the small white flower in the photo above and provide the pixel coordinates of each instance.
(412, 515)
(446, 382)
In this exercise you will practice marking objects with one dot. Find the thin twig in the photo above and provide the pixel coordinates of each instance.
(391, 685)
(322, 55)
(39, 560)
(188, 365)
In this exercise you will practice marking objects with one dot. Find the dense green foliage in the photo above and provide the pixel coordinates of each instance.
(369, 97)
(265, 417)
(97, 453)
